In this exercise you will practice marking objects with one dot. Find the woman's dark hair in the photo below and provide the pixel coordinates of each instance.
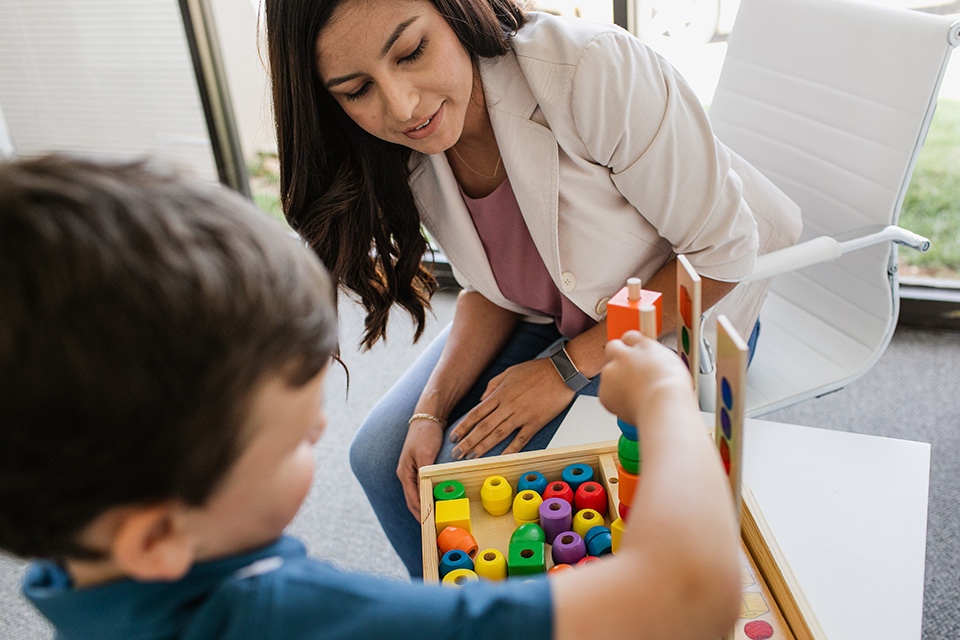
(343, 190)
(140, 311)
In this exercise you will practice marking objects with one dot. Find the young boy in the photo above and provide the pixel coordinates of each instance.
(162, 349)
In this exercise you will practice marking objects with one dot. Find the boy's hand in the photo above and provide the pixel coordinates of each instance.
(637, 370)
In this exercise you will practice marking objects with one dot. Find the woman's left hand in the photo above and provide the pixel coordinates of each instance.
(523, 398)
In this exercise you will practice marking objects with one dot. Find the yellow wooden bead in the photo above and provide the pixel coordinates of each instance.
(453, 513)
(459, 577)
(491, 564)
(526, 507)
(585, 519)
(616, 533)
(496, 495)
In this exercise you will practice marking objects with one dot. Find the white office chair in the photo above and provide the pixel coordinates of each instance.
(831, 100)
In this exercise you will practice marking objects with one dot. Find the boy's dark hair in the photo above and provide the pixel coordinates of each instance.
(139, 311)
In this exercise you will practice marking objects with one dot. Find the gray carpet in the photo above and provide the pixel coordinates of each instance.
(913, 393)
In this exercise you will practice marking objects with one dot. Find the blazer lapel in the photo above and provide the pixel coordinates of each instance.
(529, 150)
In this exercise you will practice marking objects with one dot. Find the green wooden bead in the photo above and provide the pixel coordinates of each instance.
(528, 532)
(449, 490)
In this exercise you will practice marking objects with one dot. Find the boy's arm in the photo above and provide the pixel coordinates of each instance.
(676, 574)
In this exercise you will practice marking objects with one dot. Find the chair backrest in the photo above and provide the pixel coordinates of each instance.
(831, 100)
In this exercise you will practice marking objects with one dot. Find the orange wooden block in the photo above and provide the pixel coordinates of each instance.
(627, 483)
(623, 314)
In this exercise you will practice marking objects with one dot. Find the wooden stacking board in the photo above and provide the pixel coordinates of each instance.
(689, 309)
(731, 392)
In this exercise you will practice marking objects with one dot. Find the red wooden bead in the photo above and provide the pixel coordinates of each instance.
(558, 489)
(623, 510)
(591, 495)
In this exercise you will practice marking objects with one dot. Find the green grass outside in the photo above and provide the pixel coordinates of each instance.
(932, 204)
(265, 184)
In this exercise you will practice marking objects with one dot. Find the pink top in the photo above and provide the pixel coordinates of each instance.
(516, 264)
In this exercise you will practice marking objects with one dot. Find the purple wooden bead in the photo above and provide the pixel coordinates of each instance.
(568, 548)
(556, 516)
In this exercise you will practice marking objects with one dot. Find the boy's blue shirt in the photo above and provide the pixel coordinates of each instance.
(279, 592)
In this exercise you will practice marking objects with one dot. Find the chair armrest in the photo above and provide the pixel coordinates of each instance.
(826, 248)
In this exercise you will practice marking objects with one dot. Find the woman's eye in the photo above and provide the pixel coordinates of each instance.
(356, 95)
(416, 53)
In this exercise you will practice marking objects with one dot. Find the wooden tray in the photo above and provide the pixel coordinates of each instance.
(773, 606)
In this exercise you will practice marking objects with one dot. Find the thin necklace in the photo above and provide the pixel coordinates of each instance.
(467, 165)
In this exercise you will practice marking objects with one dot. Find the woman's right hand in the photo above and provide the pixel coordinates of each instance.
(424, 438)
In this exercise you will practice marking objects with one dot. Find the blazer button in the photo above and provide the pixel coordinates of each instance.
(602, 306)
(569, 281)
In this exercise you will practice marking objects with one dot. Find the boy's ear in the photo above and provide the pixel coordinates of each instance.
(152, 543)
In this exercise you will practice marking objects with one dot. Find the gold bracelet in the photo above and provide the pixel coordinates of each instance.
(426, 416)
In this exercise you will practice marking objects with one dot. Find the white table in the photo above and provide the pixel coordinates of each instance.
(849, 512)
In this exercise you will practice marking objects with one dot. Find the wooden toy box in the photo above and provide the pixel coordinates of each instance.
(772, 605)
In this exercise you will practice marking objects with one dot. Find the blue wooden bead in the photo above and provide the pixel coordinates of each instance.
(533, 480)
(599, 541)
(629, 431)
(454, 559)
(576, 474)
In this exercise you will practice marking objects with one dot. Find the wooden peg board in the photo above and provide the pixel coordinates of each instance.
(689, 309)
(731, 393)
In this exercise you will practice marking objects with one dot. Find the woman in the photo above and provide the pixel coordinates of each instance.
(551, 159)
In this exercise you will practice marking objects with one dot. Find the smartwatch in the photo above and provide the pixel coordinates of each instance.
(565, 367)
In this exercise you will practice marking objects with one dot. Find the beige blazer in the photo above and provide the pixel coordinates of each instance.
(616, 170)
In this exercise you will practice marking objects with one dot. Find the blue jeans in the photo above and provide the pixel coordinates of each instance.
(376, 447)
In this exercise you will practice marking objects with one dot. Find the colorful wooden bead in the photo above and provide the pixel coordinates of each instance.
(622, 511)
(449, 490)
(556, 516)
(532, 480)
(591, 495)
(627, 483)
(586, 560)
(568, 548)
(496, 495)
(491, 564)
(623, 311)
(627, 430)
(526, 507)
(576, 474)
(454, 559)
(558, 489)
(456, 538)
(526, 558)
(452, 513)
(557, 568)
(617, 527)
(628, 453)
(599, 541)
(584, 519)
(459, 577)
(528, 532)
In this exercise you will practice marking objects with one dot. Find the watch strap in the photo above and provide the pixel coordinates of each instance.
(568, 371)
